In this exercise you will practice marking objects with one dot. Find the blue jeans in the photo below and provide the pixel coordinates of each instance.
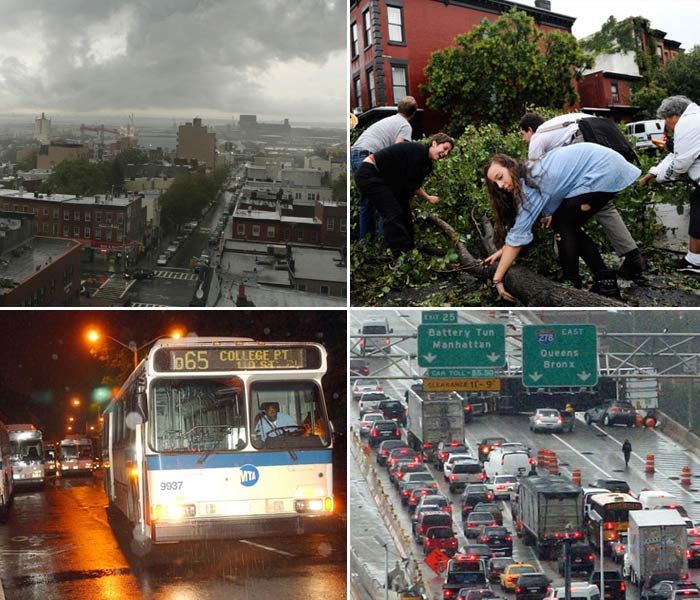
(368, 216)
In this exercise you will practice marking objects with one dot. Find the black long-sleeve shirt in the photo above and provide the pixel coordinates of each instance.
(404, 166)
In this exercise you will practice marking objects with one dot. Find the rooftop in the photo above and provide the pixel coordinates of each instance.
(22, 262)
(319, 264)
(69, 198)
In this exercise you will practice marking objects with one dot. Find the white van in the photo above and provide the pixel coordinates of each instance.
(645, 131)
(580, 590)
(656, 498)
(508, 463)
(375, 327)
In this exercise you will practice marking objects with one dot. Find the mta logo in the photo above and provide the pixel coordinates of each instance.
(249, 475)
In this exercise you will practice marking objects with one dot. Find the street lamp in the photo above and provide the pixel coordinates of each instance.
(93, 335)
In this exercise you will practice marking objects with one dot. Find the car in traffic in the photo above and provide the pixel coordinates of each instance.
(511, 574)
(363, 386)
(394, 410)
(502, 486)
(475, 594)
(435, 502)
(532, 586)
(427, 519)
(664, 590)
(492, 508)
(409, 480)
(379, 341)
(382, 430)
(581, 559)
(451, 459)
(472, 495)
(546, 419)
(441, 537)
(474, 550)
(617, 412)
(162, 260)
(615, 587)
(612, 485)
(487, 444)
(464, 472)
(618, 548)
(369, 401)
(444, 449)
(498, 538)
(402, 453)
(495, 567)
(693, 551)
(386, 447)
(462, 572)
(578, 590)
(400, 469)
(359, 367)
(367, 421)
(475, 521)
(139, 274)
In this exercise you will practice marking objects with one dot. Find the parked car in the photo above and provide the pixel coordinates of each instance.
(441, 537)
(532, 586)
(546, 419)
(386, 447)
(381, 431)
(511, 574)
(162, 260)
(581, 559)
(139, 274)
(612, 413)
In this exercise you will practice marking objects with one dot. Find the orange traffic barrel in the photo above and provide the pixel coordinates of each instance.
(649, 467)
(576, 476)
(639, 420)
(650, 422)
(685, 476)
(553, 464)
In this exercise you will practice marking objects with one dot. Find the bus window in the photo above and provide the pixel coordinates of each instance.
(197, 415)
(288, 414)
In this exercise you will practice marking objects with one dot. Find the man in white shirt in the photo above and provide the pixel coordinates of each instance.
(543, 136)
(272, 423)
(682, 116)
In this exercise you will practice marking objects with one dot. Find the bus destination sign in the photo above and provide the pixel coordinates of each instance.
(243, 358)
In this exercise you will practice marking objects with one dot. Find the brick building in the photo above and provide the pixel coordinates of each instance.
(391, 42)
(55, 153)
(196, 145)
(105, 223)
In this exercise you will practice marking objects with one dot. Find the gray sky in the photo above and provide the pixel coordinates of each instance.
(179, 58)
(678, 18)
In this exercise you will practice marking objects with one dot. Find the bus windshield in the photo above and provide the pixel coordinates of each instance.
(25, 449)
(288, 414)
(197, 414)
(76, 451)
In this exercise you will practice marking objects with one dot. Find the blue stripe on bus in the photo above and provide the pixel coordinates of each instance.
(165, 462)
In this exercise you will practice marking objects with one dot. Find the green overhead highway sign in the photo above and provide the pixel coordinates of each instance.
(461, 345)
(560, 355)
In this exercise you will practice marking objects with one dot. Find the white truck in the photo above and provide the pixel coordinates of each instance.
(433, 417)
(657, 541)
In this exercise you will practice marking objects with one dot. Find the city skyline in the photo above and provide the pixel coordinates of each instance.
(180, 59)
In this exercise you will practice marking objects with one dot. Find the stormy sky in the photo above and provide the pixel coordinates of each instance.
(211, 58)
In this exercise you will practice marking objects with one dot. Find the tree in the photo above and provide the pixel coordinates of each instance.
(648, 99)
(682, 76)
(499, 68)
(340, 188)
(80, 177)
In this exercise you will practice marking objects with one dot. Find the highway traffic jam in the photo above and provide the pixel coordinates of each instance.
(514, 505)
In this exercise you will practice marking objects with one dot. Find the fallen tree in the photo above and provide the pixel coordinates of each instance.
(530, 288)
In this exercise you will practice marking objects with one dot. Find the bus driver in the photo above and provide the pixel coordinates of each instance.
(271, 422)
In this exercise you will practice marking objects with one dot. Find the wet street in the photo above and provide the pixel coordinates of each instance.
(62, 542)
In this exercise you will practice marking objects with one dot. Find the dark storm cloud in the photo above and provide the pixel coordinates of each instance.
(173, 55)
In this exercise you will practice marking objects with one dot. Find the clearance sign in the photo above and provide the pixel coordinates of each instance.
(461, 385)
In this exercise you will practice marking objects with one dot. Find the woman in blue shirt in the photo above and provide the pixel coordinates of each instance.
(567, 186)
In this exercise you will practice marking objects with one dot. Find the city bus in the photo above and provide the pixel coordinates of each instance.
(27, 450)
(6, 481)
(190, 453)
(75, 455)
(613, 509)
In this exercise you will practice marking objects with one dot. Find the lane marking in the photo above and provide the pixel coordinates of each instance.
(277, 550)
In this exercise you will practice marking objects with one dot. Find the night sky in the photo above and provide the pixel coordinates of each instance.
(45, 359)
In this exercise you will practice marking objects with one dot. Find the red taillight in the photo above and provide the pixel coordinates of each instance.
(591, 557)
(397, 432)
(378, 388)
(615, 409)
(482, 476)
(442, 456)
(447, 593)
(518, 590)
(532, 461)
(453, 477)
(509, 538)
(448, 508)
(623, 586)
(560, 420)
(688, 554)
(427, 446)
(468, 408)
(485, 539)
(375, 433)
(489, 496)
(608, 525)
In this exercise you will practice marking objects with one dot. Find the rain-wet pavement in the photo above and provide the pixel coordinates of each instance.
(61, 542)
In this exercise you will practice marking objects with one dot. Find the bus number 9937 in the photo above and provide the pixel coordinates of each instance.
(167, 486)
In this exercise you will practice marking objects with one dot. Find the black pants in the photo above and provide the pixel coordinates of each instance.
(394, 209)
(572, 241)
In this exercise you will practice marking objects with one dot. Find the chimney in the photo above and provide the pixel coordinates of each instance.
(543, 4)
